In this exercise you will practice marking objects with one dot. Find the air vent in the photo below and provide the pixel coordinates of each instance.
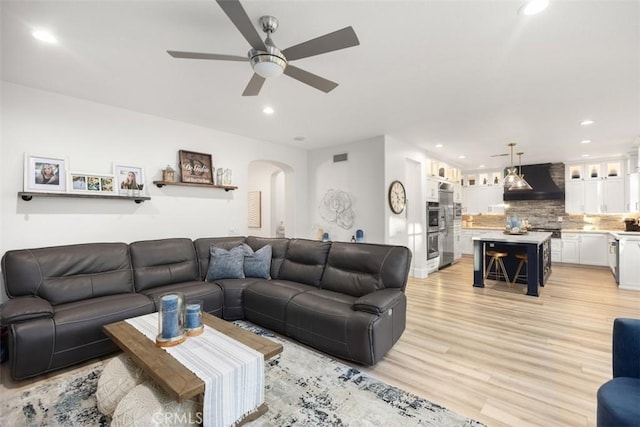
(340, 157)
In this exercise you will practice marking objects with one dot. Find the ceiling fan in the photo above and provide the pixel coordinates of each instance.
(269, 61)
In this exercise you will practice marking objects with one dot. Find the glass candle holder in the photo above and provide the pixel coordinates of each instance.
(193, 318)
(171, 320)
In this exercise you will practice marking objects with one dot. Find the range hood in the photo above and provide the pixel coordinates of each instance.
(539, 177)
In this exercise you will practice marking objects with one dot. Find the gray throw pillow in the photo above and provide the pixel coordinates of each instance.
(258, 263)
(225, 264)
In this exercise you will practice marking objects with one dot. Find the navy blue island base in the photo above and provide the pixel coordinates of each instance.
(537, 246)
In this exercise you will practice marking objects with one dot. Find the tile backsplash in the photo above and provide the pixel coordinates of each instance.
(547, 216)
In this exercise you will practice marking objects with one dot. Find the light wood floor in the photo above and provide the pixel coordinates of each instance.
(508, 359)
(495, 354)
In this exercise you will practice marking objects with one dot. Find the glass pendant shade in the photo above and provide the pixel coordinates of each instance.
(512, 176)
(520, 183)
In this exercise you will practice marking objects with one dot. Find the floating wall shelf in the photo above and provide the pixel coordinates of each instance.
(161, 184)
(27, 196)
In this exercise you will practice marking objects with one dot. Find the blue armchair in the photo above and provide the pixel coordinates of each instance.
(619, 398)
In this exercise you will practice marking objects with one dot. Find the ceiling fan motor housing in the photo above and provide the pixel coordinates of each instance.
(272, 62)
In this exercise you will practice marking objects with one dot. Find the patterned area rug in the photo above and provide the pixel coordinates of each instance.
(303, 388)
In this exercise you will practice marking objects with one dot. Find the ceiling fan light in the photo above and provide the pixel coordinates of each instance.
(267, 64)
(268, 69)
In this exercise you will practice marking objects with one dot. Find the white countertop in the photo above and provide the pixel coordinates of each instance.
(535, 237)
(628, 235)
(618, 234)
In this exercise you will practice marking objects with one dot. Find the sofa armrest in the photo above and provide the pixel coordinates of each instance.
(378, 302)
(626, 348)
(25, 308)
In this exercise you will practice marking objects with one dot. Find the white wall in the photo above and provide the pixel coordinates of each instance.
(400, 157)
(92, 136)
(362, 177)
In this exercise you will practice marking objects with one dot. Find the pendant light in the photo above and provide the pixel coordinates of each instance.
(511, 177)
(520, 183)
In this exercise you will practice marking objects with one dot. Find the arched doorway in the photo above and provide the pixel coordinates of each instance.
(274, 181)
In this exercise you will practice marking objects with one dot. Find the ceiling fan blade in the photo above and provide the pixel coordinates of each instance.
(337, 40)
(197, 55)
(254, 86)
(234, 10)
(311, 79)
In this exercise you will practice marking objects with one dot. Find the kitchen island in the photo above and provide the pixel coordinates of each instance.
(537, 246)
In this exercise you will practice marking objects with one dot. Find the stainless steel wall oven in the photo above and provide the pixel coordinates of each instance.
(433, 229)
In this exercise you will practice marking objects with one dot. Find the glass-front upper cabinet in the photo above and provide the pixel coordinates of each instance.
(610, 169)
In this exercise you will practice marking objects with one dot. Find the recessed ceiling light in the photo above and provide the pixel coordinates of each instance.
(585, 141)
(461, 157)
(482, 166)
(585, 155)
(586, 122)
(45, 36)
(533, 7)
(268, 110)
(439, 145)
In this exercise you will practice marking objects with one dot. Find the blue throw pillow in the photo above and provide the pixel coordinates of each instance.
(225, 264)
(258, 263)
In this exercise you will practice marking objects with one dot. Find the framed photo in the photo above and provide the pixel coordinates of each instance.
(92, 183)
(128, 178)
(45, 174)
(196, 167)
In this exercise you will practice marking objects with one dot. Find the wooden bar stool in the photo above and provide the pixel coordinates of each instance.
(498, 265)
(524, 259)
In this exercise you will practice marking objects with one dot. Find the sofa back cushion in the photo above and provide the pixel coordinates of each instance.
(305, 261)
(203, 248)
(279, 248)
(62, 274)
(163, 262)
(357, 269)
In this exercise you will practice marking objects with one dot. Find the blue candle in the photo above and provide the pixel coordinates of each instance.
(170, 315)
(193, 316)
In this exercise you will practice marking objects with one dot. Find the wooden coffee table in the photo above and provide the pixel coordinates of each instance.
(173, 376)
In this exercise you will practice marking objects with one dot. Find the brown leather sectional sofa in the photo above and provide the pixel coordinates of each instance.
(344, 299)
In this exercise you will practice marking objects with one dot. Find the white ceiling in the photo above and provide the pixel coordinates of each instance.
(472, 75)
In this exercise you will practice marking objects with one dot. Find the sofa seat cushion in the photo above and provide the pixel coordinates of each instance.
(325, 319)
(209, 293)
(79, 323)
(233, 296)
(618, 402)
(265, 302)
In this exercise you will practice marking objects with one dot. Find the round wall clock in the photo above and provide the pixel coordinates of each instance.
(397, 197)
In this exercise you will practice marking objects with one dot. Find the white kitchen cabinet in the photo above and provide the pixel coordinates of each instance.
(574, 197)
(597, 187)
(493, 197)
(457, 193)
(594, 249)
(432, 190)
(556, 250)
(457, 243)
(613, 196)
(629, 265)
(483, 199)
(469, 200)
(585, 248)
(634, 192)
(570, 248)
(466, 244)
